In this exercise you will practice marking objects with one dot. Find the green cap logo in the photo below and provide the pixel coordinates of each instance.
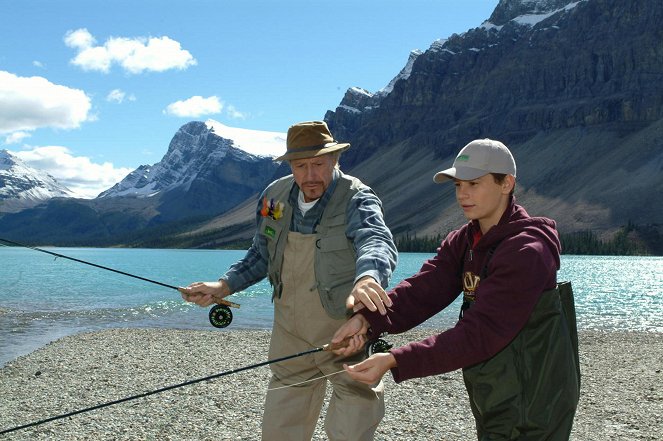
(462, 158)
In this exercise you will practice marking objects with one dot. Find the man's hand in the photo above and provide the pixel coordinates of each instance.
(354, 330)
(205, 293)
(371, 370)
(368, 293)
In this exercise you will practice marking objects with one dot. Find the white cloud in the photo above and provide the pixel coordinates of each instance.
(115, 95)
(29, 103)
(234, 113)
(135, 55)
(118, 96)
(78, 173)
(195, 107)
(16, 137)
(79, 39)
(37, 63)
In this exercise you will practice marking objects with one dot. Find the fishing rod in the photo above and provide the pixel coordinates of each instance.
(220, 315)
(327, 347)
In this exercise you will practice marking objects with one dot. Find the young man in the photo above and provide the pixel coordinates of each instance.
(322, 240)
(513, 340)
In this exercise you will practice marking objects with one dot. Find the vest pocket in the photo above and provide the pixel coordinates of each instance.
(337, 256)
(333, 243)
(333, 297)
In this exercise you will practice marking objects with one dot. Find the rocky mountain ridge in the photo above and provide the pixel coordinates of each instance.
(573, 88)
(574, 92)
(201, 175)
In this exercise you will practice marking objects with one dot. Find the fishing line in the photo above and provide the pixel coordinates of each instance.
(220, 315)
(86, 262)
(163, 389)
(305, 381)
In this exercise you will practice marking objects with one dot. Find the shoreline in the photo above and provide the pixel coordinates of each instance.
(621, 397)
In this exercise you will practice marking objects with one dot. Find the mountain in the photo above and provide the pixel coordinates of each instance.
(194, 150)
(573, 88)
(202, 174)
(23, 187)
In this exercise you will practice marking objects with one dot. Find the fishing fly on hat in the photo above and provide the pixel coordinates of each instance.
(478, 158)
(308, 139)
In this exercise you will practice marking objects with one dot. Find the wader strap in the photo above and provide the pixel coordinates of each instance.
(484, 274)
(569, 309)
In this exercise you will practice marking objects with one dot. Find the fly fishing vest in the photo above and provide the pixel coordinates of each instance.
(335, 257)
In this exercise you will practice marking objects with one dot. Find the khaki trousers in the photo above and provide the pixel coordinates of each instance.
(300, 324)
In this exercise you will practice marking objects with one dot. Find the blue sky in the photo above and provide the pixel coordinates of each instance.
(90, 90)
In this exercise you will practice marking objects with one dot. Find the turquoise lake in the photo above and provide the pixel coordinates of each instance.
(45, 298)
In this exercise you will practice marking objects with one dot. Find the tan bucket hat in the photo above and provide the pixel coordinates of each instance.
(308, 139)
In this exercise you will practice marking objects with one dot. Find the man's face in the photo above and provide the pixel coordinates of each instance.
(483, 199)
(313, 175)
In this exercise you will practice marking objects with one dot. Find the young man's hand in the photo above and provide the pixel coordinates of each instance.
(371, 370)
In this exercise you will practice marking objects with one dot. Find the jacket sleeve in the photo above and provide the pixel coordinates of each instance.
(419, 297)
(519, 273)
(252, 268)
(372, 239)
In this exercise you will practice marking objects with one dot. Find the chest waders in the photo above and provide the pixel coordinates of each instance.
(312, 275)
(530, 389)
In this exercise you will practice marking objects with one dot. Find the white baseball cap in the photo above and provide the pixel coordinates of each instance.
(478, 158)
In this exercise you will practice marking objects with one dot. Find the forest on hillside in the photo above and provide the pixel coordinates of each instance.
(630, 240)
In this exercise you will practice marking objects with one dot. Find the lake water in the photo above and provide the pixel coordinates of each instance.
(45, 298)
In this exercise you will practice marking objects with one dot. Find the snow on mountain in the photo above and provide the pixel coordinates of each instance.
(22, 186)
(255, 142)
(526, 12)
(533, 19)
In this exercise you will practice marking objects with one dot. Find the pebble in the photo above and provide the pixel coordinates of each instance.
(621, 393)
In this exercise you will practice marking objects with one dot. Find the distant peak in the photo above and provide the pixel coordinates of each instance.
(22, 186)
(404, 74)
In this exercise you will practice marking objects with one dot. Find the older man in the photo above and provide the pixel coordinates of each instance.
(322, 241)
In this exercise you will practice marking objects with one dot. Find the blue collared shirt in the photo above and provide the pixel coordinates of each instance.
(373, 242)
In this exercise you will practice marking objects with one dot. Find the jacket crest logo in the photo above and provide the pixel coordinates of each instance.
(470, 285)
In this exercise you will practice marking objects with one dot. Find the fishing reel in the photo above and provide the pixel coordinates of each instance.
(220, 315)
(377, 346)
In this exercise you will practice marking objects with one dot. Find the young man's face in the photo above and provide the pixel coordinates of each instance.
(313, 175)
(483, 199)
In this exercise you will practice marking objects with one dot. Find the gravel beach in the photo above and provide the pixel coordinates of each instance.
(621, 396)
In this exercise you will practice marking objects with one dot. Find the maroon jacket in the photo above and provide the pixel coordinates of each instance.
(524, 263)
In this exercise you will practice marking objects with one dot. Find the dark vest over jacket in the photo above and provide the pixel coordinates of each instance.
(335, 256)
